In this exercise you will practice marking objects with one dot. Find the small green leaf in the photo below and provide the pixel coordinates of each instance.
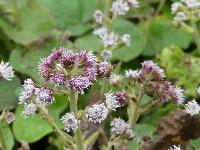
(8, 97)
(34, 128)
(143, 129)
(195, 143)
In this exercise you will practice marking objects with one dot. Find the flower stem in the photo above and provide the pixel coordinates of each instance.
(136, 113)
(160, 6)
(107, 10)
(15, 11)
(66, 138)
(2, 139)
(196, 34)
(73, 98)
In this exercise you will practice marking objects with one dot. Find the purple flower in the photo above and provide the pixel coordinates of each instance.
(177, 95)
(79, 83)
(122, 98)
(44, 96)
(149, 68)
(105, 69)
(89, 60)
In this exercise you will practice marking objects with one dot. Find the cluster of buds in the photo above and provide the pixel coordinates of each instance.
(33, 96)
(153, 79)
(186, 9)
(174, 147)
(75, 71)
(6, 71)
(97, 113)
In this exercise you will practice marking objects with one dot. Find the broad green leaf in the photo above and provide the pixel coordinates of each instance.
(8, 96)
(138, 40)
(172, 59)
(34, 128)
(7, 135)
(161, 34)
(72, 14)
(88, 42)
(34, 22)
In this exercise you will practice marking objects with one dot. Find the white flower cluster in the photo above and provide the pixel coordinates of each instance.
(111, 39)
(192, 108)
(119, 126)
(6, 71)
(121, 7)
(174, 147)
(97, 113)
(111, 101)
(115, 79)
(132, 74)
(70, 122)
(185, 8)
(33, 97)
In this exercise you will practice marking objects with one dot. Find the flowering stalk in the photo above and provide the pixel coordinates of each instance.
(3, 143)
(66, 139)
(107, 8)
(73, 98)
(15, 9)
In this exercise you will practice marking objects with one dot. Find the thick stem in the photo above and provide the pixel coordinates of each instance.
(73, 98)
(66, 138)
(196, 34)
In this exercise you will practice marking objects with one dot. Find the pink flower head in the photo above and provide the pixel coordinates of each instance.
(105, 69)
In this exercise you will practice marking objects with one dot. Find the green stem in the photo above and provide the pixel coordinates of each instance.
(2, 139)
(66, 138)
(160, 6)
(15, 12)
(196, 34)
(73, 98)
(107, 9)
(136, 113)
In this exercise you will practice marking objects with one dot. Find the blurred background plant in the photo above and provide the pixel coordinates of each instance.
(29, 29)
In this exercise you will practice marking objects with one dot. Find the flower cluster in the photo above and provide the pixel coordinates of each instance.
(153, 79)
(110, 39)
(192, 108)
(99, 112)
(185, 8)
(70, 122)
(6, 71)
(175, 147)
(121, 7)
(33, 96)
(77, 71)
(119, 126)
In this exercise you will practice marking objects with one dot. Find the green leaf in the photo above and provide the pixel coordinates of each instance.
(34, 128)
(172, 59)
(7, 134)
(161, 34)
(8, 97)
(72, 14)
(93, 45)
(143, 129)
(138, 40)
(195, 143)
(34, 22)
